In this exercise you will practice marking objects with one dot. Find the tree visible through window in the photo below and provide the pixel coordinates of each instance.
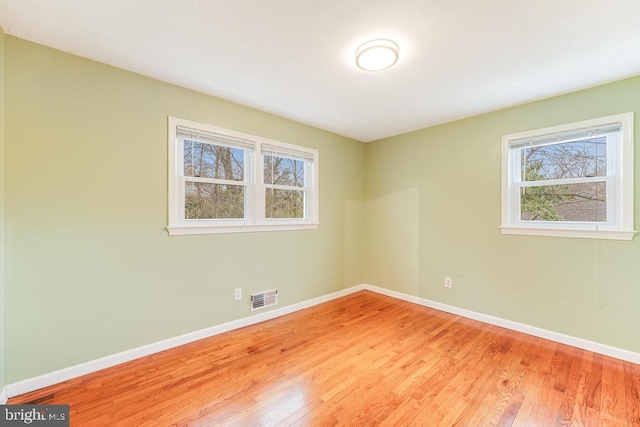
(222, 181)
(210, 171)
(570, 180)
(284, 180)
(584, 201)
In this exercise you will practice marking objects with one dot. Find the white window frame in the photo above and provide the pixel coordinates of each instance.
(254, 219)
(619, 179)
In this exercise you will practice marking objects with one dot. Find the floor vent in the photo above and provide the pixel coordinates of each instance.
(264, 299)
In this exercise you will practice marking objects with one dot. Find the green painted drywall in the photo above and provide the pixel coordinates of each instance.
(2, 304)
(433, 210)
(90, 269)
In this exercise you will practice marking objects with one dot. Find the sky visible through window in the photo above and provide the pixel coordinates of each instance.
(586, 201)
(282, 202)
(208, 200)
(585, 158)
(213, 161)
(204, 162)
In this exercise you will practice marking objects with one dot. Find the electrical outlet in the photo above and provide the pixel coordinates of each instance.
(238, 295)
(448, 282)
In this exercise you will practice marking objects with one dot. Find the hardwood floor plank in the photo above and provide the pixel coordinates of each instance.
(364, 359)
(510, 375)
(632, 391)
(613, 409)
(570, 412)
(513, 408)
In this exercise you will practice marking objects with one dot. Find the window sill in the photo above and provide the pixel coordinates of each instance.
(208, 229)
(570, 232)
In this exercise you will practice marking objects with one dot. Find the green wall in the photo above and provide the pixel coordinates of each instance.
(433, 210)
(2, 304)
(90, 269)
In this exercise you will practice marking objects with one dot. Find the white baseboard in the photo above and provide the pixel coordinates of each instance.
(603, 349)
(51, 378)
(31, 384)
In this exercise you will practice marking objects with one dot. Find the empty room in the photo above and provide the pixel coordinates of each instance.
(251, 213)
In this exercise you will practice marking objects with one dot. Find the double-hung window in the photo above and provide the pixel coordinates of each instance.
(223, 181)
(574, 180)
(286, 179)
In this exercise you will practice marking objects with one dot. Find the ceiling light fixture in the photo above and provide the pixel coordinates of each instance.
(377, 55)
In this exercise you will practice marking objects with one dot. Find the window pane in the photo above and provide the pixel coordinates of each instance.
(188, 158)
(575, 202)
(283, 171)
(213, 161)
(585, 158)
(284, 203)
(213, 201)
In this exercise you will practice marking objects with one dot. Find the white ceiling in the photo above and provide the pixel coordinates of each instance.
(295, 58)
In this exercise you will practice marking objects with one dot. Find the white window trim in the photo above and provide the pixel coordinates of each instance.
(255, 220)
(618, 228)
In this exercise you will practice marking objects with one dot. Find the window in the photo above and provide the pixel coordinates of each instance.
(221, 181)
(574, 180)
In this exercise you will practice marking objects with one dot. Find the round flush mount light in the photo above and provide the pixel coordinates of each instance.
(377, 55)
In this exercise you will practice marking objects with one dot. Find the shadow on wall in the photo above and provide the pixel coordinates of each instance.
(392, 240)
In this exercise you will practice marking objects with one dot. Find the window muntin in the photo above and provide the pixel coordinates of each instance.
(215, 185)
(570, 178)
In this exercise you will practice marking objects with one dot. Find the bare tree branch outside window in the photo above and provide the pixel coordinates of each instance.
(205, 200)
(284, 203)
(571, 202)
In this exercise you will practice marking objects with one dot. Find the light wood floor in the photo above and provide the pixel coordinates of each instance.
(365, 359)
